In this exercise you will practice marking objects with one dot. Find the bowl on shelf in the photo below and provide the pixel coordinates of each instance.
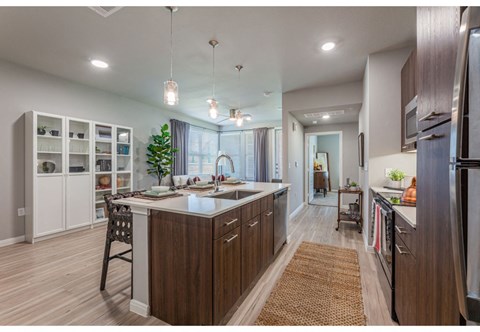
(201, 183)
(160, 189)
(46, 166)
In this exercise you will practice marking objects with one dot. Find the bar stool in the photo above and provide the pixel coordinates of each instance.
(119, 228)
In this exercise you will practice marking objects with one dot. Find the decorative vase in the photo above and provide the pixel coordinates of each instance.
(119, 182)
(104, 180)
(41, 131)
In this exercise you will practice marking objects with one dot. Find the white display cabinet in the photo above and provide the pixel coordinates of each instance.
(70, 165)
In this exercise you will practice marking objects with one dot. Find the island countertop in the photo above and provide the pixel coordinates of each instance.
(198, 203)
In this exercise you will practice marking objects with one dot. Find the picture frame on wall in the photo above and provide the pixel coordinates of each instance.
(361, 150)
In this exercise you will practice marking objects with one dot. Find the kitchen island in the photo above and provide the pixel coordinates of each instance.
(196, 257)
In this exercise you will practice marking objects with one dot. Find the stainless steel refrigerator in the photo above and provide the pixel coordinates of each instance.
(465, 167)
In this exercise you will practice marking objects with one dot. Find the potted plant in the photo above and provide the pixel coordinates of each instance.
(41, 130)
(396, 177)
(353, 186)
(160, 154)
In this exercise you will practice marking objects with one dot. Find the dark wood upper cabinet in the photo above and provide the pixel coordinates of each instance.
(251, 251)
(437, 42)
(227, 286)
(409, 79)
(436, 295)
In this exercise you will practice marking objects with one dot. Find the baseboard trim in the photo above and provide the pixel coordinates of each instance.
(13, 240)
(297, 211)
(368, 248)
(140, 308)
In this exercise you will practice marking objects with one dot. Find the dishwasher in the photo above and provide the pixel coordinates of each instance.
(279, 219)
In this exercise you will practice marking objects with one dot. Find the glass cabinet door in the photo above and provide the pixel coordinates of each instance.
(49, 146)
(78, 146)
(103, 179)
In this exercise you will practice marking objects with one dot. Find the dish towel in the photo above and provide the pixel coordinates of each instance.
(377, 234)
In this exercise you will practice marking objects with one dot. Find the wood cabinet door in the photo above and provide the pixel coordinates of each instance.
(437, 296)
(267, 236)
(251, 251)
(437, 42)
(405, 285)
(226, 273)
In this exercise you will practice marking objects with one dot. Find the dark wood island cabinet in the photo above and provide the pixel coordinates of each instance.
(200, 268)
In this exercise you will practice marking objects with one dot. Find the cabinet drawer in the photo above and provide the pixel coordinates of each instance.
(266, 203)
(224, 223)
(407, 233)
(251, 210)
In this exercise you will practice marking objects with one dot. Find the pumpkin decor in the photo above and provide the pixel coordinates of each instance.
(410, 194)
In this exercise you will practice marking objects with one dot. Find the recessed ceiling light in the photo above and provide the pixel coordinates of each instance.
(326, 117)
(314, 122)
(328, 46)
(99, 63)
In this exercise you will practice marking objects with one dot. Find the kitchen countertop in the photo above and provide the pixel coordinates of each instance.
(197, 203)
(408, 213)
(385, 190)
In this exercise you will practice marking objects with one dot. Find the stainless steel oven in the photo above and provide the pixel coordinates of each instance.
(385, 261)
(410, 129)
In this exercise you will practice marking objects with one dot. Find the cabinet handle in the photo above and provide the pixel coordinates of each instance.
(268, 214)
(429, 116)
(228, 223)
(231, 238)
(251, 225)
(399, 230)
(400, 251)
(429, 137)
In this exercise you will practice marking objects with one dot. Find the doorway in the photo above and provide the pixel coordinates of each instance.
(323, 175)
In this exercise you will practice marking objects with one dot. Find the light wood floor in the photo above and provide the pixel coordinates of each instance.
(56, 282)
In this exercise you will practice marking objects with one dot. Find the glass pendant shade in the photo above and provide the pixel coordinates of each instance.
(213, 111)
(170, 92)
(239, 121)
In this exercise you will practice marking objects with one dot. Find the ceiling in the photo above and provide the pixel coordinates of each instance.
(278, 47)
(350, 114)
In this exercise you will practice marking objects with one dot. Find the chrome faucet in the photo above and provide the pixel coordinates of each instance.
(217, 181)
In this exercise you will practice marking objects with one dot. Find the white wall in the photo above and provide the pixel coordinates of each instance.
(380, 120)
(312, 98)
(23, 90)
(293, 159)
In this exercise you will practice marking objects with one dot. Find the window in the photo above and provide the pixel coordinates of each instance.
(231, 144)
(239, 146)
(203, 149)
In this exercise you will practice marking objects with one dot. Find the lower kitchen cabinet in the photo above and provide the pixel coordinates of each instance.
(227, 273)
(405, 284)
(251, 251)
(267, 236)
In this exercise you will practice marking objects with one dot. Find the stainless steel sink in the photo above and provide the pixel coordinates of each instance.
(235, 195)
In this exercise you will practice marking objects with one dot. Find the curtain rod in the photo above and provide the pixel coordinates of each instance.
(227, 131)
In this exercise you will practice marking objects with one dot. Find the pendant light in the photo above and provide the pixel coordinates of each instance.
(213, 111)
(170, 87)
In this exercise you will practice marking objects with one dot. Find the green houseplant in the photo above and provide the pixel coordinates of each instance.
(160, 154)
(396, 177)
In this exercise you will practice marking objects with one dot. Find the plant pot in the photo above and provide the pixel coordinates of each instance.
(396, 184)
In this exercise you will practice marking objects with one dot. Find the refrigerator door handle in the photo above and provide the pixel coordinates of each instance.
(458, 246)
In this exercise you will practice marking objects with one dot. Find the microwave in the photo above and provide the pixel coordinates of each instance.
(410, 128)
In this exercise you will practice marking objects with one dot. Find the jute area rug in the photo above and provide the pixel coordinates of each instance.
(320, 286)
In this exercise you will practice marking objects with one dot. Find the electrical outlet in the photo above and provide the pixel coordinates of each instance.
(21, 212)
(387, 170)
